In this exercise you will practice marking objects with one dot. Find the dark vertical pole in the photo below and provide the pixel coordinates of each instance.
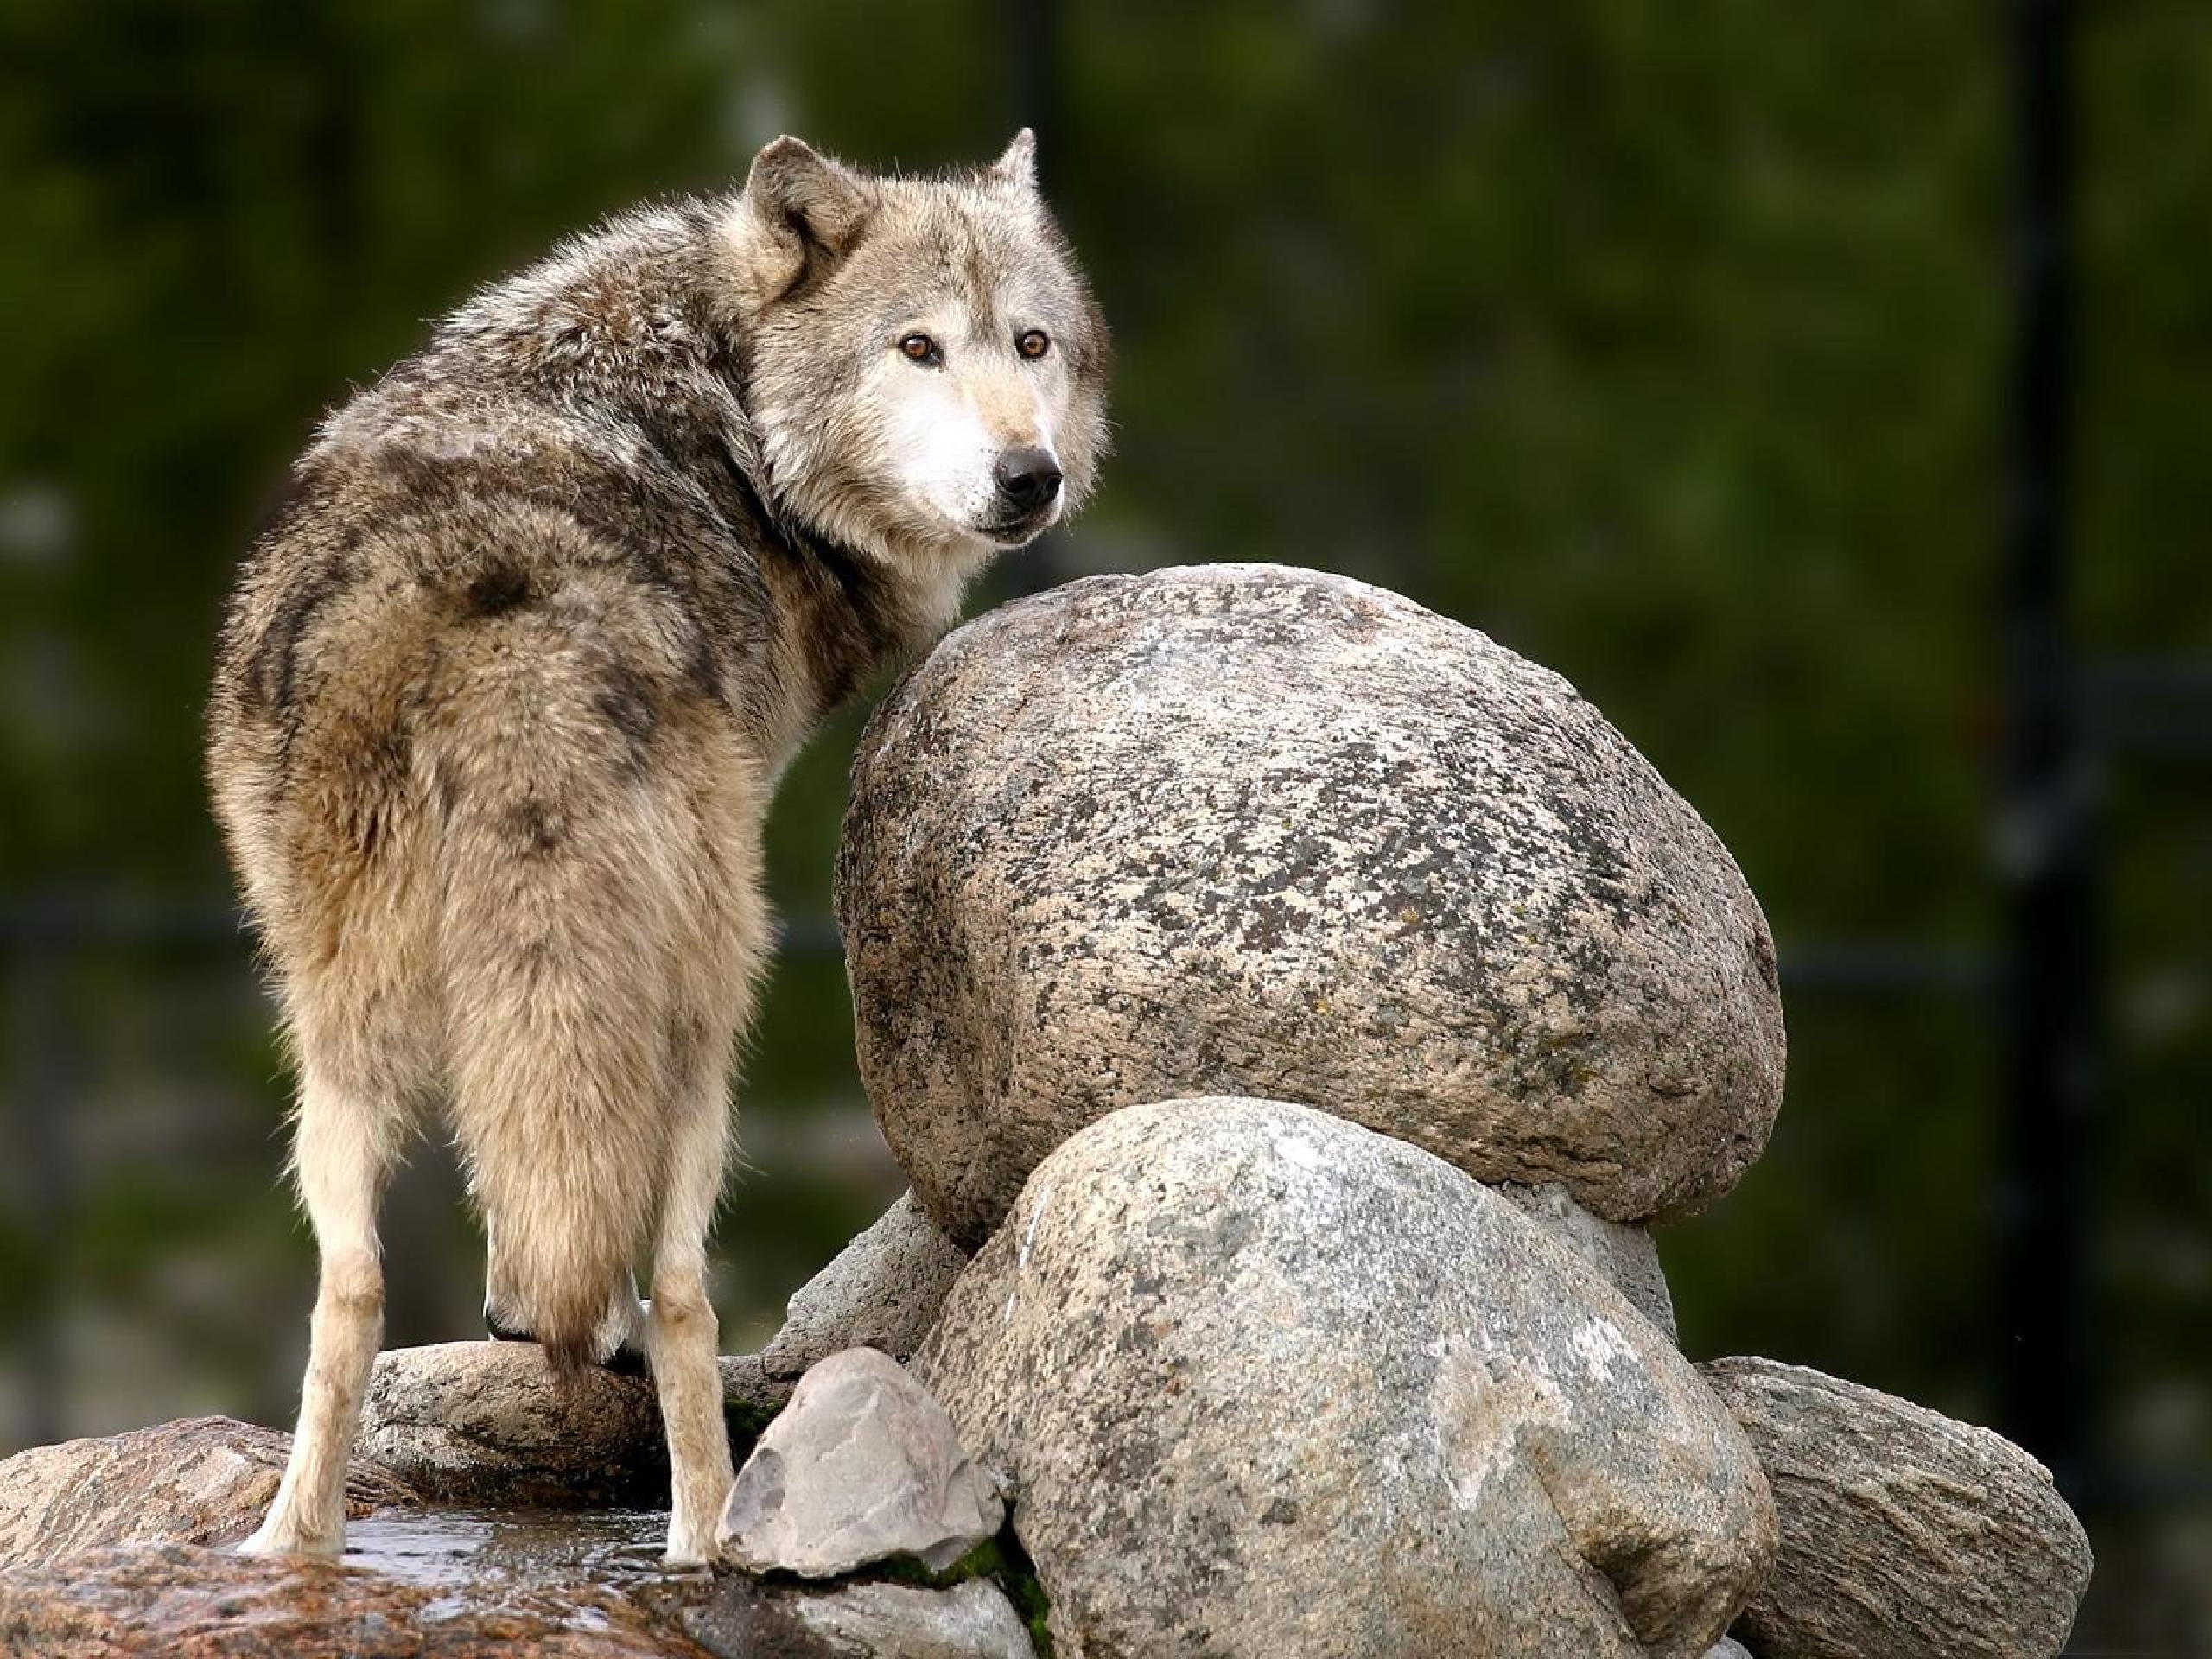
(1033, 32)
(1036, 29)
(45, 1095)
(2051, 982)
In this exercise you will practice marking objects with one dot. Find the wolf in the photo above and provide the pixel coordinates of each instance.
(503, 689)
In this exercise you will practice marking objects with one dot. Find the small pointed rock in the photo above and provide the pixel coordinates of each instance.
(862, 1465)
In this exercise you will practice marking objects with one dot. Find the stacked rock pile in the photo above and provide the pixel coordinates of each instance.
(1291, 1010)
(1303, 1006)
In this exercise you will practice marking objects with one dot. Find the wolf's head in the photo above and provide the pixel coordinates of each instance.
(925, 366)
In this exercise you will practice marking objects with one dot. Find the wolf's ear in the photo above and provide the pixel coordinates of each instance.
(803, 209)
(1018, 166)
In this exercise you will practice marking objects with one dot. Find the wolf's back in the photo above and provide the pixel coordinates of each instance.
(476, 750)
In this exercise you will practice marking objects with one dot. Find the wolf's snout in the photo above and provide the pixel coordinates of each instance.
(1027, 477)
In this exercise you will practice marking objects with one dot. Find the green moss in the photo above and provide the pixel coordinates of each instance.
(1002, 1560)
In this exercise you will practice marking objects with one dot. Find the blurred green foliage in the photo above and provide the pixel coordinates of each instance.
(1664, 341)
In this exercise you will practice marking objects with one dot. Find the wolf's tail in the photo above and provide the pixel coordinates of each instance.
(562, 915)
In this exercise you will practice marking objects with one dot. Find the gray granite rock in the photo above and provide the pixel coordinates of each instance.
(891, 1621)
(1246, 829)
(1265, 1383)
(1905, 1534)
(863, 1466)
(1622, 1252)
(883, 1292)
(481, 1422)
(1727, 1647)
(202, 1480)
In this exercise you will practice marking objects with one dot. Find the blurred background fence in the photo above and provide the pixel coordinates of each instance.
(1823, 390)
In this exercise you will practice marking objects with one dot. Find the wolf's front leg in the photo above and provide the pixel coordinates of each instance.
(680, 1330)
(341, 1155)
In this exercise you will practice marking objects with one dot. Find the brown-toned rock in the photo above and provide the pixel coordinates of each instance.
(1250, 830)
(1905, 1534)
(481, 1422)
(190, 1603)
(200, 1480)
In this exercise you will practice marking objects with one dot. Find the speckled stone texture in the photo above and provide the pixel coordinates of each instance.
(202, 1480)
(1268, 1384)
(1905, 1534)
(1625, 1255)
(481, 1422)
(1248, 830)
(882, 1292)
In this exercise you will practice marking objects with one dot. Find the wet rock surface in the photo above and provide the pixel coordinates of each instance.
(862, 1466)
(1904, 1534)
(480, 1423)
(1254, 830)
(882, 1292)
(463, 1582)
(1241, 1418)
(200, 1480)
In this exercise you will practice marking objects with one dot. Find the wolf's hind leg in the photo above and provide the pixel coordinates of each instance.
(680, 1328)
(343, 1151)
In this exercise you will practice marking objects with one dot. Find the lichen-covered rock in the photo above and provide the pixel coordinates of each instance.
(882, 1292)
(198, 1481)
(1245, 830)
(862, 1466)
(1622, 1252)
(1265, 1383)
(481, 1422)
(1904, 1534)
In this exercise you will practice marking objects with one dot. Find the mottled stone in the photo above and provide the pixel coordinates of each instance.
(181, 1602)
(890, 1621)
(862, 1466)
(883, 1292)
(1622, 1252)
(1265, 1383)
(1252, 831)
(198, 1481)
(481, 1421)
(1905, 1534)
(1727, 1647)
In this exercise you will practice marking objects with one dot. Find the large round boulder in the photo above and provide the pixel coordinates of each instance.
(1265, 1383)
(1248, 830)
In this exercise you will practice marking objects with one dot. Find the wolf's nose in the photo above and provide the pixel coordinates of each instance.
(1027, 476)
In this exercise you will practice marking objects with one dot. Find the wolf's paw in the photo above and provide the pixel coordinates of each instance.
(273, 1537)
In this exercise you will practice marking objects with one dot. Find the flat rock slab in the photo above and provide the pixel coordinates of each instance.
(1905, 1534)
(463, 1583)
(863, 1466)
(971, 1621)
(1265, 1383)
(194, 1602)
(1251, 830)
(481, 1422)
(200, 1480)
(882, 1292)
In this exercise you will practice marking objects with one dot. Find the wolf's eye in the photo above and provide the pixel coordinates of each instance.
(1031, 343)
(920, 349)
